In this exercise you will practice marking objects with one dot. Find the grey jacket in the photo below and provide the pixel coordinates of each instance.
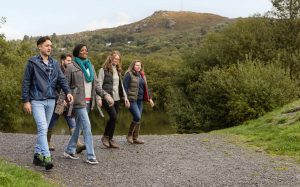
(75, 78)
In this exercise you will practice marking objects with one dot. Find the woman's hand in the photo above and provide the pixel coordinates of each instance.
(109, 100)
(70, 98)
(127, 103)
(151, 103)
(99, 102)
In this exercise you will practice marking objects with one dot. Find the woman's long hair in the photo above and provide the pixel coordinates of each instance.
(107, 65)
(131, 66)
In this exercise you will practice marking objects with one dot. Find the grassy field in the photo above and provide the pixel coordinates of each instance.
(277, 132)
(13, 175)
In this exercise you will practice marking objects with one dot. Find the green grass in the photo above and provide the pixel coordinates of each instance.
(277, 132)
(13, 175)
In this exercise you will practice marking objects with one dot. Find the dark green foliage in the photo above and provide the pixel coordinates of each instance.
(203, 82)
(246, 37)
(12, 62)
(230, 96)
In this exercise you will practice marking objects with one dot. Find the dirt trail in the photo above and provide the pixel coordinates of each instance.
(165, 160)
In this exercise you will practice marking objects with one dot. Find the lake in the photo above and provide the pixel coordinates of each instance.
(153, 122)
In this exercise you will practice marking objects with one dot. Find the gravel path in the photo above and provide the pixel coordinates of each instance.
(165, 160)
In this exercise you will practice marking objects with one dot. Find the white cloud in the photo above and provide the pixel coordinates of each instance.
(98, 24)
(121, 19)
(11, 33)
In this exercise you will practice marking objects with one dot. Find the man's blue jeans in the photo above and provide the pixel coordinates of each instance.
(82, 122)
(70, 120)
(42, 111)
(136, 109)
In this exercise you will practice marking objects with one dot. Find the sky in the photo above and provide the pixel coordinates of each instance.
(39, 18)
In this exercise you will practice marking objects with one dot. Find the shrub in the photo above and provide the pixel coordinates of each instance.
(229, 96)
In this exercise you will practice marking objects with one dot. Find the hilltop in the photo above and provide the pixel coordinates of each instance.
(164, 21)
(168, 30)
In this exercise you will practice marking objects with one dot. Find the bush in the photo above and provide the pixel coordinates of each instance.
(11, 74)
(229, 96)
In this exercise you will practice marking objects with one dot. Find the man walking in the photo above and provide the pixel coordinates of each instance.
(41, 78)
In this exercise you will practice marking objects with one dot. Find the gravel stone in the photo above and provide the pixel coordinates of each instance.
(164, 160)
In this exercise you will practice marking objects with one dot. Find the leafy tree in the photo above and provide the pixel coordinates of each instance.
(26, 38)
(286, 9)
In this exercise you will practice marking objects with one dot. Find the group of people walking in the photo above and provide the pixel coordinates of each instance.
(72, 89)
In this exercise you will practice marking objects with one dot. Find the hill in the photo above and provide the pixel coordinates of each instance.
(162, 31)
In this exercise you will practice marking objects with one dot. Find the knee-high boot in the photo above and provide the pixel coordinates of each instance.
(136, 134)
(129, 137)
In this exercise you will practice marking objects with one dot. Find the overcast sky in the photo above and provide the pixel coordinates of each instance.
(37, 17)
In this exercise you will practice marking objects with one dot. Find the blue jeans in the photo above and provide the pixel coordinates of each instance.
(82, 122)
(42, 111)
(136, 109)
(70, 120)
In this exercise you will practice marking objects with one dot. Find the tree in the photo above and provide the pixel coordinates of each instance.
(25, 38)
(2, 21)
(286, 9)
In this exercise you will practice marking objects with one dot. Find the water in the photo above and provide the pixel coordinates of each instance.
(153, 122)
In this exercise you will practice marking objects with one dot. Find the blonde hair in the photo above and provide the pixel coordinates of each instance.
(107, 64)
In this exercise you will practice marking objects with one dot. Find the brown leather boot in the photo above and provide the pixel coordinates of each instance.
(113, 144)
(105, 141)
(129, 137)
(49, 134)
(136, 134)
(80, 146)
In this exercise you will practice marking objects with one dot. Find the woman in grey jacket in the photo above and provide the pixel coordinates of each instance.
(84, 85)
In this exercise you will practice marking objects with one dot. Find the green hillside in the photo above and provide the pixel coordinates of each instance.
(161, 32)
(277, 132)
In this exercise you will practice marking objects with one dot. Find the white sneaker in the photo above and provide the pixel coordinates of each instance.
(71, 156)
(92, 161)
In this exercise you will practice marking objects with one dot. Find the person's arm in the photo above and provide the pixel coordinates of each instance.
(64, 83)
(127, 103)
(26, 87)
(103, 94)
(149, 94)
(100, 79)
(27, 82)
(126, 82)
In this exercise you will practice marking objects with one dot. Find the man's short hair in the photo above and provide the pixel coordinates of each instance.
(63, 56)
(42, 40)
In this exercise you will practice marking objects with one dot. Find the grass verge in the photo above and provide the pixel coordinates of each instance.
(277, 132)
(13, 175)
